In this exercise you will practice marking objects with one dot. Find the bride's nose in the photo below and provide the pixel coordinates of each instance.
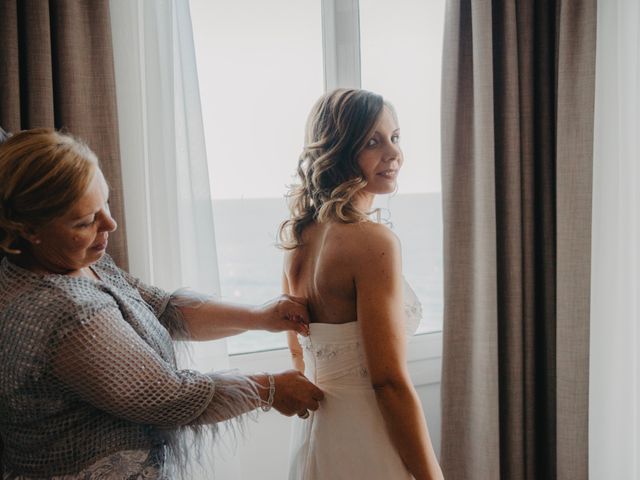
(393, 154)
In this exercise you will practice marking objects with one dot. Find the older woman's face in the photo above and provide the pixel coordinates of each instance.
(78, 238)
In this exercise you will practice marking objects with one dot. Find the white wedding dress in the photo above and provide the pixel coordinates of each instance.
(346, 438)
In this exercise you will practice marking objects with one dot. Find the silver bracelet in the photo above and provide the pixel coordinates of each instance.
(272, 393)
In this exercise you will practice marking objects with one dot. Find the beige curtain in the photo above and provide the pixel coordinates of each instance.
(56, 70)
(517, 122)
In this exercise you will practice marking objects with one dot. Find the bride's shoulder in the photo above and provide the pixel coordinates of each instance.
(368, 238)
(363, 229)
(375, 233)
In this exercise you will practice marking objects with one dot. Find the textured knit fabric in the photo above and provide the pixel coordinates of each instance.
(87, 369)
(129, 465)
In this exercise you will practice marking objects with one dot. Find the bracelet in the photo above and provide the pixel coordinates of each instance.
(272, 393)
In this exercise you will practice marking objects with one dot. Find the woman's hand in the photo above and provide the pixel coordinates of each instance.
(283, 313)
(294, 394)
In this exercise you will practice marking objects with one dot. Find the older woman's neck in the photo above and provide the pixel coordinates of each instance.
(30, 262)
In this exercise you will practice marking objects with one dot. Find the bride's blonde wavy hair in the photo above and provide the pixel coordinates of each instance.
(338, 128)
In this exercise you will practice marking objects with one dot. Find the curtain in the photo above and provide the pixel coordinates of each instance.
(517, 113)
(56, 70)
(171, 236)
(614, 393)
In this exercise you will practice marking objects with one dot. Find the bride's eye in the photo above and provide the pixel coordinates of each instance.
(372, 142)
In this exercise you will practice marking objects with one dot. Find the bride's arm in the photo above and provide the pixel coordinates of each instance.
(297, 357)
(379, 288)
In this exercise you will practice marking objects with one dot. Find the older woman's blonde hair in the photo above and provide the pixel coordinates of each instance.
(329, 176)
(42, 174)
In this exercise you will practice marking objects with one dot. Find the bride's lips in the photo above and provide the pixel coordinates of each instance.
(391, 174)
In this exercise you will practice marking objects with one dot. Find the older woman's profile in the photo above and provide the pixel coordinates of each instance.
(89, 386)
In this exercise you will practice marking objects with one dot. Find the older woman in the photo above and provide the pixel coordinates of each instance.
(88, 377)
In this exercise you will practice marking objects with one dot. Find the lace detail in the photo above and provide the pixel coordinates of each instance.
(412, 309)
(129, 465)
(328, 350)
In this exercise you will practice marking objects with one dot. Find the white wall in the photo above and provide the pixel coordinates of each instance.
(263, 453)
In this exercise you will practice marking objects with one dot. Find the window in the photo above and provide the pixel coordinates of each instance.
(260, 67)
(260, 70)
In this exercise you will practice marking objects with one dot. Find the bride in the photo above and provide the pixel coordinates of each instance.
(371, 424)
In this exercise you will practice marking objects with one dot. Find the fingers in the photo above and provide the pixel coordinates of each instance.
(298, 315)
(298, 325)
(302, 329)
(298, 311)
(295, 394)
(317, 394)
(312, 401)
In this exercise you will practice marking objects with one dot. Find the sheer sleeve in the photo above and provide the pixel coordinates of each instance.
(105, 362)
(101, 358)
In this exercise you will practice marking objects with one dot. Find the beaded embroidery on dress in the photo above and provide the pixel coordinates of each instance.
(346, 438)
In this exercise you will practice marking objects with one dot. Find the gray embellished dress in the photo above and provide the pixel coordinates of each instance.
(89, 386)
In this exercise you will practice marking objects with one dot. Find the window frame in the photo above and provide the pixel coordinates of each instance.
(341, 44)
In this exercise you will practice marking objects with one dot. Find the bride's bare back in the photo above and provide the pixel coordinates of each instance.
(322, 271)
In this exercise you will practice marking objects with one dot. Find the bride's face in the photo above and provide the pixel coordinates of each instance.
(381, 158)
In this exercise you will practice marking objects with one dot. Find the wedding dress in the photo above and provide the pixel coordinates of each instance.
(346, 438)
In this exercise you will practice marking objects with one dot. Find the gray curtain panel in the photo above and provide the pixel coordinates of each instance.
(56, 70)
(517, 132)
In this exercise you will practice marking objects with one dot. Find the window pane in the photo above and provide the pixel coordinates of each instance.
(401, 55)
(260, 70)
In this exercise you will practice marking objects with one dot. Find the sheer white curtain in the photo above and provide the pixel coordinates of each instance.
(614, 399)
(168, 208)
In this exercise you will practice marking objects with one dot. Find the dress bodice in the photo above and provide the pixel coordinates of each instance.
(333, 353)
